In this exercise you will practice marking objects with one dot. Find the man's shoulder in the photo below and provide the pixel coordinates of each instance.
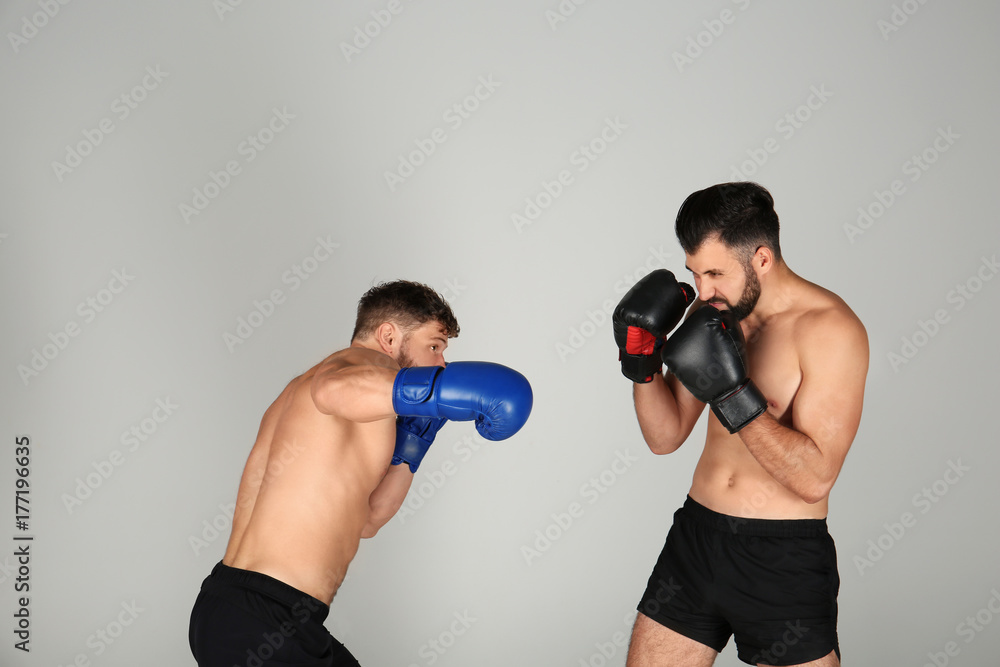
(356, 356)
(826, 319)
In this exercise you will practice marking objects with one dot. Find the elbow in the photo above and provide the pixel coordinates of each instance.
(816, 492)
(378, 516)
(373, 525)
(661, 446)
(812, 498)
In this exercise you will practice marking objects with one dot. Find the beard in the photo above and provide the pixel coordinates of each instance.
(749, 297)
(403, 358)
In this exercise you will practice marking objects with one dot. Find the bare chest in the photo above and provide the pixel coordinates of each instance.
(773, 364)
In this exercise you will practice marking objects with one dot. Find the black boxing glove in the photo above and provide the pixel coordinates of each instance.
(706, 355)
(644, 316)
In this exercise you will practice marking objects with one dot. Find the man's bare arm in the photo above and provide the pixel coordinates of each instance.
(807, 458)
(387, 498)
(666, 412)
(356, 384)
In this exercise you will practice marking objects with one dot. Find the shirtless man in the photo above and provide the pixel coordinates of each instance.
(782, 363)
(326, 470)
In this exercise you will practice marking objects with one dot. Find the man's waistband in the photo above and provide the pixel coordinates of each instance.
(296, 600)
(738, 525)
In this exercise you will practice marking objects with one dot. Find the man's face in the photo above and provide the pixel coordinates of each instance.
(423, 346)
(724, 279)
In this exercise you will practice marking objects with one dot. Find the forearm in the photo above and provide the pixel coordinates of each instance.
(790, 457)
(658, 413)
(387, 498)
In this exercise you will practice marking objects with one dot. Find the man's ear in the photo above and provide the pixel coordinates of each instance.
(763, 260)
(388, 336)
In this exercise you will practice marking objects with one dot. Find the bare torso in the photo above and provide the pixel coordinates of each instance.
(303, 499)
(728, 479)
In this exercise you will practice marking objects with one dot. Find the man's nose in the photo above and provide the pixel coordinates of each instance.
(706, 291)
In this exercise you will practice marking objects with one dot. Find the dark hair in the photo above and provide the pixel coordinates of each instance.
(405, 303)
(740, 214)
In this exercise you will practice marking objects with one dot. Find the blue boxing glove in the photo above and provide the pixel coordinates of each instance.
(414, 436)
(496, 397)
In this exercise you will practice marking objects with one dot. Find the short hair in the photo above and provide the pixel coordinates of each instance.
(405, 303)
(740, 214)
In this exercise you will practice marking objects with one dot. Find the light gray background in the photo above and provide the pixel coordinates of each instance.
(532, 297)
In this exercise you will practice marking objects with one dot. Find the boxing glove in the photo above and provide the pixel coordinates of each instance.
(414, 436)
(644, 316)
(496, 397)
(706, 355)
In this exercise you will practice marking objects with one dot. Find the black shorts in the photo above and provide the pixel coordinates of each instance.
(247, 619)
(771, 583)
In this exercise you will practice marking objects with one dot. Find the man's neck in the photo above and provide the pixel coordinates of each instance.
(777, 295)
